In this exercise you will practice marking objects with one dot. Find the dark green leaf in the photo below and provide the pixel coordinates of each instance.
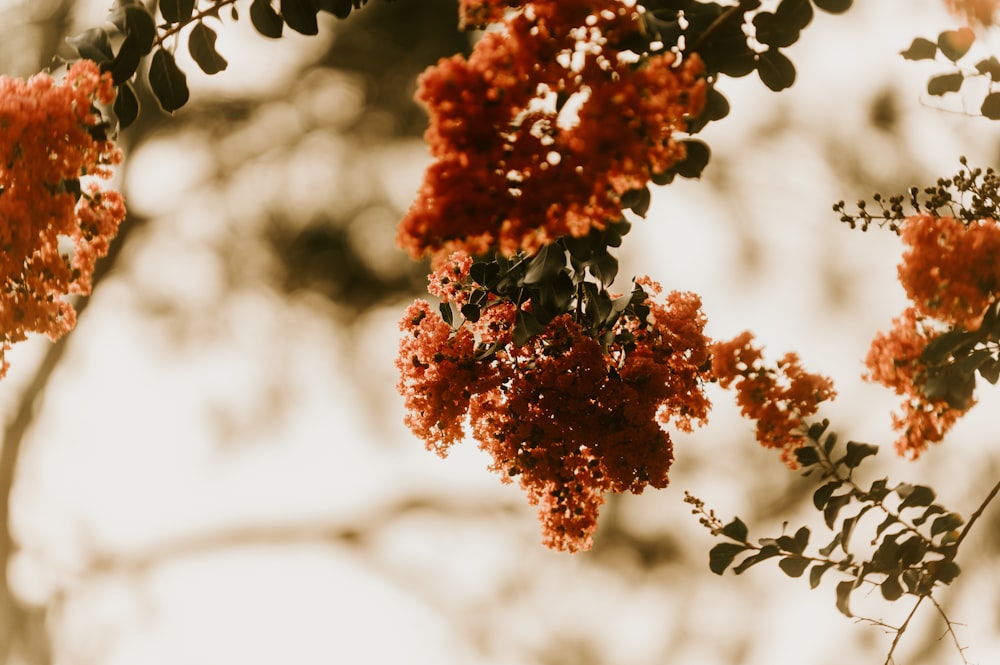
(471, 312)
(816, 429)
(137, 23)
(695, 161)
(915, 495)
(911, 551)
(637, 200)
(832, 545)
(775, 70)
(844, 590)
(947, 344)
(93, 45)
(816, 573)
(526, 326)
(793, 566)
(847, 528)
(795, 544)
(878, 490)
(989, 369)
(807, 455)
(856, 452)
(920, 49)
(202, 46)
(265, 20)
(891, 589)
(604, 268)
(546, 264)
(763, 554)
(722, 555)
(339, 8)
(795, 14)
(886, 523)
(989, 66)
(175, 11)
(956, 43)
(833, 507)
(991, 106)
(736, 530)
(716, 108)
(947, 572)
(168, 82)
(932, 510)
(126, 61)
(446, 313)
(834, 7)
(126, 105)
(829, 442)
(300, 15)
(771, 32)
(948, 522)
(945, 83)
(822, 495)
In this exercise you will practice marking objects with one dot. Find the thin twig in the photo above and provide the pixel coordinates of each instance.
(951, 629)
(902, 629)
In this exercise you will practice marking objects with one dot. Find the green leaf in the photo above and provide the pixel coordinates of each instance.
(915, 495)
(126, 105)
(716, 108)
(339, 8)
(447, 314)
(771, 32)
(911, 551)
(793, 566)
(944, 83)
(844, 590)
(722, 555)
(604, 268)
(920, 49)
(832, 545)
(300, 15)
(816, 573)
(834, 7)
(991, 106)
(202, 46)
(736, 530)
(265, 20)
(956, 43)
(886, 523)
(168, 82)
(175, 11)
(93, 45)
(471, 312)
(947, 572)
(989, 369)
(891, 589)
(879, 490)
(945, 523)
(847, 528)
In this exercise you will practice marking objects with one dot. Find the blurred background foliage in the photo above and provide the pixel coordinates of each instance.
(212, 468)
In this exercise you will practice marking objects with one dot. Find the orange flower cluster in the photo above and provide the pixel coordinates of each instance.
(950, 271)
(778, 398)
(976, 12)
(52, 230)
(894, 360)
(950, 274)
(570, 421)
(542, 129)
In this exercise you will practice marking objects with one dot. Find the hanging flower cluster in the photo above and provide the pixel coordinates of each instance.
(569, 419)
(52, 227)
(543, 129)
(931, 353)
(779, 398)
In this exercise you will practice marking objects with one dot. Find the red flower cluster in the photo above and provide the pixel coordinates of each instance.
(778, 398)
(570, 421)
(950, 270)
(50, 137)
(543, 128)
(894, 360)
